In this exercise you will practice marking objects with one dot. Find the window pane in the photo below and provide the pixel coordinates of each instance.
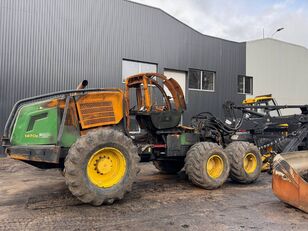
(195, 79)
(146, 67)
(248, 85)
(240, 84)
(129, 68)
(208, 79)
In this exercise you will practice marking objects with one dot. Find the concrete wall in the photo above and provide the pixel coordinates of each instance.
(279, 68)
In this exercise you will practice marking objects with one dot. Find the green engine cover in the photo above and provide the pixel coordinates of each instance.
(37, 124)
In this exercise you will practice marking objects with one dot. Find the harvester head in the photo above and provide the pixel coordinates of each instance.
(290, 179)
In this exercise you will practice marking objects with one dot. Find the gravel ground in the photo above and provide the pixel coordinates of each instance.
(33, 199)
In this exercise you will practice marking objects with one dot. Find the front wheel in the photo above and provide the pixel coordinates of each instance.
(207, 165)
(101, 166)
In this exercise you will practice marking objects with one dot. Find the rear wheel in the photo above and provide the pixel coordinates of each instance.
(246, 162)
(101, 166)
(169, 166)
(207, 165)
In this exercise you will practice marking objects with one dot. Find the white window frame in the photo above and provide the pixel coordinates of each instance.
(244, 77)
(201, 76)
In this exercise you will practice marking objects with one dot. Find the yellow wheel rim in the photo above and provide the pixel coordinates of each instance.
(250, 163)
(265, 162)
(106, 167)
(214, 166)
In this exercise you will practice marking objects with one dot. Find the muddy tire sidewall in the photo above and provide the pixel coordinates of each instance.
(79, 155)
(236, 152)
(196, 159)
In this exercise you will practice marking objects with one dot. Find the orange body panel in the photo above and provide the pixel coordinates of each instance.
(100, 109)
(147, 98)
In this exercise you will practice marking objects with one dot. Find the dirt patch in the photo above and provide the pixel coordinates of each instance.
(33, 199)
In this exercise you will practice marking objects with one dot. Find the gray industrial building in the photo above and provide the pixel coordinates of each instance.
(49, 46)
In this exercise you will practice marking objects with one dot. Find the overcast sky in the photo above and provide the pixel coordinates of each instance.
(241, 20)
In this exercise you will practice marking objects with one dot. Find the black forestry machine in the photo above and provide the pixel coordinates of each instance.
(259, 122)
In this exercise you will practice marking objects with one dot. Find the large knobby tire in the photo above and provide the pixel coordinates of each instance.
(207, 165)
(245, 161)
(101, 166)
(169, 166)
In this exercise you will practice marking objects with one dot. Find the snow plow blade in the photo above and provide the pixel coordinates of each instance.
(290, 179)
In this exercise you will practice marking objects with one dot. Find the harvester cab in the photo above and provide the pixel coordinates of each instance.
(164, 111)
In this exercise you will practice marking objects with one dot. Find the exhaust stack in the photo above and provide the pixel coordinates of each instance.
(82, 85)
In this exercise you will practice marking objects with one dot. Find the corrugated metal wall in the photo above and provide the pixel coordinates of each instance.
(52, 45)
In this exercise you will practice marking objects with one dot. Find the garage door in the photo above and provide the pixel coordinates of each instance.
(179, 76)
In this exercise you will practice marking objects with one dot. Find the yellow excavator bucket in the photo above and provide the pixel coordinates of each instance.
(290, 179)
